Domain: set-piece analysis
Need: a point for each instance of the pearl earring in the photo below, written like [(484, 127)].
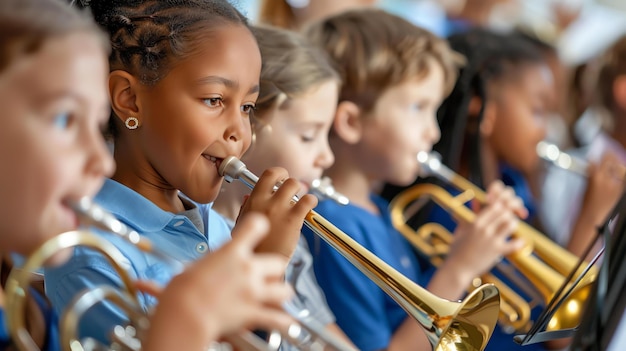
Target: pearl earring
[(131, 123)]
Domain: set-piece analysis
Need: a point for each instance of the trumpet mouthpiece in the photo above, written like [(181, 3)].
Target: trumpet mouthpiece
[(230, 168)]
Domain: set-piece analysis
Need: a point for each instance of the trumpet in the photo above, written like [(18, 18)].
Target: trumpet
[(449, 325), (323, 189), (551, 153), (305, 332), (541, 262)]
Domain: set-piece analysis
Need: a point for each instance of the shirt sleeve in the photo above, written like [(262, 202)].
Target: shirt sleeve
[(86, 270), (309, 296)]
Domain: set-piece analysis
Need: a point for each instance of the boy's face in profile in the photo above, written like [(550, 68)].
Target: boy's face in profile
[(402, 123)]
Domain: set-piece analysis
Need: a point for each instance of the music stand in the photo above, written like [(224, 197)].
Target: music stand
[(607, 301), (537, 332)]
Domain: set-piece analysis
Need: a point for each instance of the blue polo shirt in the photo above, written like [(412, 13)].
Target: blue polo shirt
[(173, 234), (5, 338)]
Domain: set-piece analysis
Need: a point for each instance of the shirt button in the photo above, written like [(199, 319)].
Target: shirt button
[(202, 248), (179, 223), (405, 262)]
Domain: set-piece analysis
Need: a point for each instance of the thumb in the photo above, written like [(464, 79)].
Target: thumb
[(250, 229)]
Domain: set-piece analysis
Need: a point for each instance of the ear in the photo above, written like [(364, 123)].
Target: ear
[(347, 124), (122, 89), (619, 92), (489, 119)]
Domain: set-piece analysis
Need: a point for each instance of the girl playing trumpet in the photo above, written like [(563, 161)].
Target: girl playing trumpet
[(53, 74)]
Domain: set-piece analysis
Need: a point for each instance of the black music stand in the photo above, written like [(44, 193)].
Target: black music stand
[(607, 302), (598, 297)]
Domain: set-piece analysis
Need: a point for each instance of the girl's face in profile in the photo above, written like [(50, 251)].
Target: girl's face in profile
[(521, 107), (54, 105), (197, 115), (295, 135)]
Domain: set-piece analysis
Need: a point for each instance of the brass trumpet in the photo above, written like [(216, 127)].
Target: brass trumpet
[(305, 332), (465, 325), (542, 262)]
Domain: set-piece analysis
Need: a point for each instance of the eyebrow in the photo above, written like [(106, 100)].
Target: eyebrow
[(231, 84)]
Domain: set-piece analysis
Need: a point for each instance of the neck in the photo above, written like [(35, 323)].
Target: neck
[(131, 172), (230, 199), (349, 179)]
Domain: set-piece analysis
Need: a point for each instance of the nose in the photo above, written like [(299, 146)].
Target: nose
[(326, 158), (238, 128), (433, 133)]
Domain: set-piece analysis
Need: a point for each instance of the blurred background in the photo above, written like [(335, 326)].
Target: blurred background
[(579, 29), (574, 32)]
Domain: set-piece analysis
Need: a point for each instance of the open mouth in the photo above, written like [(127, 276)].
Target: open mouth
[(216, 160)]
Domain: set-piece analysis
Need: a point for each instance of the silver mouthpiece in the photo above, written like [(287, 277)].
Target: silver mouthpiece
[(431, 165), (551, 153), (324, 190), (232, 168)]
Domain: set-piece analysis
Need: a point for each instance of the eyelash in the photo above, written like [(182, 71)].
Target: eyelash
[(247, 108)]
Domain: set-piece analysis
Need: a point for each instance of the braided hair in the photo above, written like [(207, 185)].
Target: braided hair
[(149, 36), (491, 57)]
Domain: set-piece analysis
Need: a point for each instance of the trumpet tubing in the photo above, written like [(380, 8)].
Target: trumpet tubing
[(465, 325), (542, 262), (19, 280), (127, 338)]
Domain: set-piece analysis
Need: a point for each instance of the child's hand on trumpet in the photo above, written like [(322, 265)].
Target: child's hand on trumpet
[(479, 245), (228, 290), (286, 218)]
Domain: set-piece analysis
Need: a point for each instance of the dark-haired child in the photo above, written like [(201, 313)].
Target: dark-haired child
[(183, 83)]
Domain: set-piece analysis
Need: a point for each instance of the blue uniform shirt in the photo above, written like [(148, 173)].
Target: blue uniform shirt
[(173, 234), (52, 342), (363, 311)]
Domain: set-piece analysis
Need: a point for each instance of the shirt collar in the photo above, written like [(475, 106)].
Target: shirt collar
[(131, 207)]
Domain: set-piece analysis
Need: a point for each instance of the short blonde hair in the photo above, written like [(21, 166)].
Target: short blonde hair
[(375, 50)]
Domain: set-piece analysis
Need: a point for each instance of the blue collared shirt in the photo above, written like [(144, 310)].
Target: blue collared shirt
[(170, 233)]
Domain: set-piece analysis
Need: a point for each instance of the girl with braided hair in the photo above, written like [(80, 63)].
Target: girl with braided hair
[(54, 152), (183, 83)]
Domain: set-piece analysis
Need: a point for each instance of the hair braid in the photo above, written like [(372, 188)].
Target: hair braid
[(148, 36)]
